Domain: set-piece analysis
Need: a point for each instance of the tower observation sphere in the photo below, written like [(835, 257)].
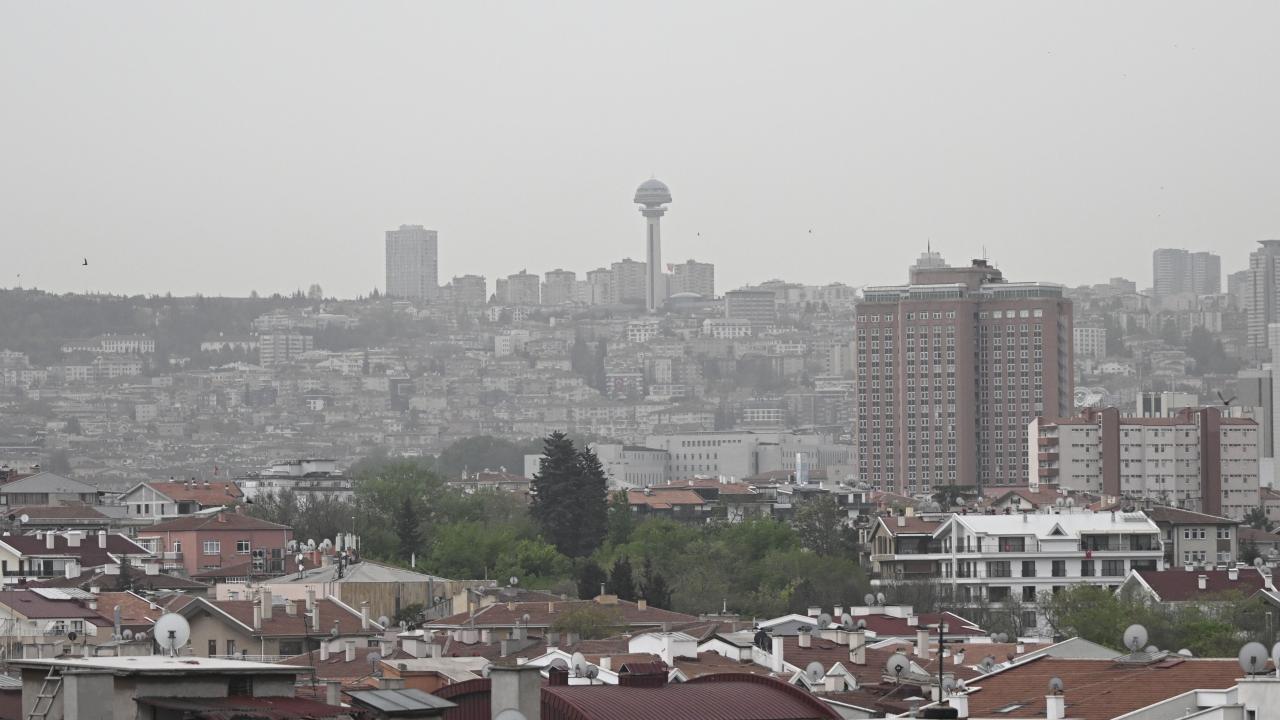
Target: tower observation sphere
[(652, 195)]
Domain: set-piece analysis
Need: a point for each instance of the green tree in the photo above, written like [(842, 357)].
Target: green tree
[(483, 453), (1256, 518), (408, 529), (590, 577), (621, 521), (1249, 552), (620, 580), (589, 621), (653, 586), (821, 525), (569, 497)]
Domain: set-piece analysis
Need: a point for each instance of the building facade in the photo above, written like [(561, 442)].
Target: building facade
[(1197, 460), (1090, 342), (950, 369), (694, 277), (412, 263), (558, 287), (1176, 271), (759, 307), (1262, 294), (470, 290), (522, 288), (277, 348)]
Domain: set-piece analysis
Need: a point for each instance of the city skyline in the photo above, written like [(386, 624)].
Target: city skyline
[(525, 159)]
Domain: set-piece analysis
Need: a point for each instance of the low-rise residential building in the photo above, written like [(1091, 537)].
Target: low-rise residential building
[(1196, 585), (1015, 557), (159, 500), (1192, 538), (272, 628), (47, 555), (47, 488), (196, 543)]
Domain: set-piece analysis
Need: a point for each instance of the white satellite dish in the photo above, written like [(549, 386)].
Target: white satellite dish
[(513, 581), (869, 599), (383, 620), (814, 672), (579, 664), (1055, 686), (897, 664), (846, 621), (1187, 653), (128, 634), (510, 714), (824, 621), (1135, 636), (140, 636), (24, 518), (1253, 658), (880, 598), (1275, 654), (172, 631)]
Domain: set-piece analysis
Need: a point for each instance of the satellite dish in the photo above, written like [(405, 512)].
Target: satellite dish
[(949, 683), (334, 632), (1275, 654), (1151, 649), (1187, 653), (1253, 658), (524, 618), (172, 631), (591, 672), (1055, 686), (803, 630), (25, 518), (1135, 636), (72, 636), (869, 599), (128, 634), (1004, 637), (988, 663), (846, 621), (374, 657), (140, 636), (862, 624), (1257, 562), (897, 664), (579, 664), (824, 621), (510, 714), (311, 543), (814, 672), (559, 664), (383, 620), (879, 598), (513, 581)]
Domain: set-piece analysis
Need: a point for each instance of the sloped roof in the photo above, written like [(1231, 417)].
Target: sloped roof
[(141, 581), (1179, 585), (70, 511), (500, 615), (1094, 689), (337, 667), (216, 521), (912, 525), (738, 696), (363, 571), (32, 605), (88, 552), (281, 623), (662, 499), (1178, 516), (47, 482), (206, 494)]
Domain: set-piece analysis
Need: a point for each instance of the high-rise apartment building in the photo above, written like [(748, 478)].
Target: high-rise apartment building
[(276, 348), (1262, 296), (558, 287), (412, 256), (950, 370), (630, 281), (597, 289), (1197, 459), (694, 277), (1176, 271), (470, 290), (1238, 289), (1090, 342), (522, 288)]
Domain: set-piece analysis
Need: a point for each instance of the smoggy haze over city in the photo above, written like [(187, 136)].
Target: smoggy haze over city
[(224, 147)]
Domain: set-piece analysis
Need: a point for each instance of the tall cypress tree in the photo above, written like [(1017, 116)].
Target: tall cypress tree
[(408, 529), (569, 497), (620, 581)]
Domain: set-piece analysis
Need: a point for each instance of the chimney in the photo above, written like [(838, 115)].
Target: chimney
[(72, 569), (267, 602), (804, 639), (1055, 707), (913, 620), (959, 703), (551, 606), (391, 683), (516, 688), (858, 647), (641, 604), (257, 614), (364, 615), (315, 619), (311, 599), (836, 612), (333, 692), (922, 643), (557, 676), (606, 663), (324, 651), (775, 657), (102, 538), (814, 611), (290, 608), (902, 521), (91, 603), (1019, 648), (350, 649), (73, 538), (48, 540), (1233, 573), (1202, 582)]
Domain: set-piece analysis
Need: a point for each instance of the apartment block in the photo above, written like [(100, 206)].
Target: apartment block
[(559, 287), (950, 369), (1090, 342), (1197, 460), (412, 257), (522, 288), (757, 306), (281, 347), (694, 277)]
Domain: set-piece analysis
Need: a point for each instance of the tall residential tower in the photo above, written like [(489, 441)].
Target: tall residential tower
[(411, 263), (653, 195)]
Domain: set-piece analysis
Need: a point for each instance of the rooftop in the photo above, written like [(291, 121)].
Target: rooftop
[(1179, 585), (216, 521), (737, 696), (159, 664)]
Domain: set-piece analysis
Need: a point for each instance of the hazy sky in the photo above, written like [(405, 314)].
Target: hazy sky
[(221, 147)]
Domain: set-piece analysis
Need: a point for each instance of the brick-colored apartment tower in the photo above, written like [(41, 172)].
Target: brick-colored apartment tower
[(951, 369)]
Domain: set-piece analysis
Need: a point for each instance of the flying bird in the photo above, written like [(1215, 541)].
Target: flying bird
[(85, 263)]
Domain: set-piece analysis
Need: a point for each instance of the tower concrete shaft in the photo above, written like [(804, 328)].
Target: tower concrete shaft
[(655, 285)]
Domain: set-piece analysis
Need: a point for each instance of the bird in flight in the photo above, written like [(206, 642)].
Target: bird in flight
[(85, 263)]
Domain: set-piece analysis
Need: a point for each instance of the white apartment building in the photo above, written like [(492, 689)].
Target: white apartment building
[(739, 454), (1089, 342), (1014, 558), (643, 330), (113, 344), (727, 328), (1197, 460)]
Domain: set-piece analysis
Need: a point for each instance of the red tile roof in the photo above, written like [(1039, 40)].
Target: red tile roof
[(88, 552), (211, 494), (1180, 585), (141, 581), (70, 511), (337, 667), (216, 521), (661, 499), (913, 525), (243, 707), (1178, 516), (1094, 689), (31, 605), (711, 697), (713, 663)]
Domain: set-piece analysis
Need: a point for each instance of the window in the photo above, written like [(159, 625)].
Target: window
[(1029, 619), (998, 569), (1086, 568), (240, 686), (213, 648), (231, 646), (290, 648), (1059, 568), (213, 547), (1224, 533), (1028, 593), (242, 548), (1028, 568), (998, 594), (1112, 568)]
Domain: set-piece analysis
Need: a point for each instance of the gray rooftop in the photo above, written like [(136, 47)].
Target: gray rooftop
[(400, 702), (364, 571)]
